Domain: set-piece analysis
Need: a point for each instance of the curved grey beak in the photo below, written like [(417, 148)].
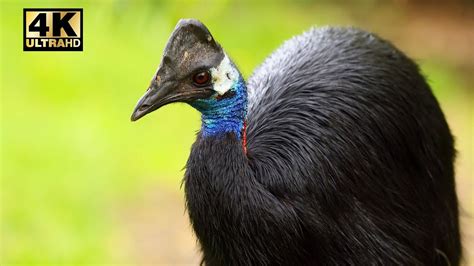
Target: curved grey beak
[(166, 92), (154, 98)]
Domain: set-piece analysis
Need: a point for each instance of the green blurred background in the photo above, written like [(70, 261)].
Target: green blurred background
[(82, 185)]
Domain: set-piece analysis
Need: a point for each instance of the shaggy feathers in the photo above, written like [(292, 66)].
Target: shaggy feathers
[(350, 161)]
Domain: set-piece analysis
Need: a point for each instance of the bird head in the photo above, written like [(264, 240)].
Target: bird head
[(194, 67)]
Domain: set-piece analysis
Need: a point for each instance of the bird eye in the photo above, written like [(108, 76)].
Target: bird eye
[(201, 78)]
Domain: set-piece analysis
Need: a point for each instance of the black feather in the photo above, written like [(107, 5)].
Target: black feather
[(350, 162)]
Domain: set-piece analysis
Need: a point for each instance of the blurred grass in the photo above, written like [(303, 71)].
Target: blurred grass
[(70, 156)]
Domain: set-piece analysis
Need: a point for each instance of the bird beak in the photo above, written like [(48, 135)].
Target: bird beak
[(154, 98), (165, 92)]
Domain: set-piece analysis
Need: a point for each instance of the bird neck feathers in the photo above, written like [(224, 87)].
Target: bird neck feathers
[(226, 110)]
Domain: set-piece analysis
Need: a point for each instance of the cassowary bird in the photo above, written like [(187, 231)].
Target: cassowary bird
[(334, 152)]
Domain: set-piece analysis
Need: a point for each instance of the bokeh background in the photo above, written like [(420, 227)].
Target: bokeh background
[(82, 185)]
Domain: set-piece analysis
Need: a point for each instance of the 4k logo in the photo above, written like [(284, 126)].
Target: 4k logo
[(52, 29)]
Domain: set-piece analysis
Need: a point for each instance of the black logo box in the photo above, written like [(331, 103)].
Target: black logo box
[(79, 48)]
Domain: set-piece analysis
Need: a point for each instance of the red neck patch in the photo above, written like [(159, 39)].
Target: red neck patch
[(244, 137)]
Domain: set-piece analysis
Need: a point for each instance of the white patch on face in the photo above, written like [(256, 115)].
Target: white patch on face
[(224, 76)]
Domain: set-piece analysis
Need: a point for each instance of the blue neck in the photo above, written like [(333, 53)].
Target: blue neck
[(223, 115)]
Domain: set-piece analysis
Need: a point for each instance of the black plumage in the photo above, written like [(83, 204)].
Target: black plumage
[(349, 161)]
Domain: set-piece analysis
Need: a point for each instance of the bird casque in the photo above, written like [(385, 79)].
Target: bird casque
[(335, 152)]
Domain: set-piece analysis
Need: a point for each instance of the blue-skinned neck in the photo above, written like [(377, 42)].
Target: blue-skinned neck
[(221, 114)]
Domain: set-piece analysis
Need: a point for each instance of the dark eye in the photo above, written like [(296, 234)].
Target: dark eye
[(201, 78)]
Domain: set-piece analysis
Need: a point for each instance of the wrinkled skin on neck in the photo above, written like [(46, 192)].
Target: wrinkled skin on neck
[(225, 113)]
